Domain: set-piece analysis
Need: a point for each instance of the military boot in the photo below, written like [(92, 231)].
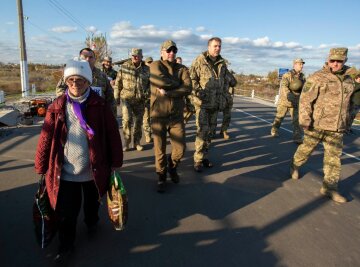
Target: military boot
[(127, 145), (226, 135), (274, 132), (161, 182), (207, 163), (333, 194), (172, 171), (148, 139), (294, 172), (198, 166)]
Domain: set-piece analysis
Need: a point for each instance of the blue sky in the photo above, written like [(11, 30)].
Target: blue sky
[(258, 36)]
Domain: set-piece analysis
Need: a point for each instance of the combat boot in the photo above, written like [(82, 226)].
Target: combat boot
[(207, 163), (139, 147), (294, 172), (161, 185), (333, 194), (274, 132), (147, 139), (226, 136), (172, 171), (298, 141), (198, 166)]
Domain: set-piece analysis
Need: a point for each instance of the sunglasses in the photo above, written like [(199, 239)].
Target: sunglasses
[(335, 60), (173, 48), (77, 81)]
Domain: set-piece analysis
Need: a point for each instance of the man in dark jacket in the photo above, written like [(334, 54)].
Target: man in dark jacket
[(169, 83)]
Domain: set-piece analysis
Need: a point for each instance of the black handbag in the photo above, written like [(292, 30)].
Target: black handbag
[(44, 217)]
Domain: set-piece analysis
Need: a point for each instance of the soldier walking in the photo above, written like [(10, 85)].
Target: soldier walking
[(290, 90), (324, 113), (132, 83), (208, 72), (100, 83), (170, 82)]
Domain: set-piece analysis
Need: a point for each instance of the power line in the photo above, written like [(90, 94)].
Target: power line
[(67, 13)]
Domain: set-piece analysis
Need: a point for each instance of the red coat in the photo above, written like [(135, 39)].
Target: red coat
[(105, 147)]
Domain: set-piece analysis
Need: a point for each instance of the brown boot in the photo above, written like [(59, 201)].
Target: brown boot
[(333, 194), (294, 172), (274, 132), (226, 136)]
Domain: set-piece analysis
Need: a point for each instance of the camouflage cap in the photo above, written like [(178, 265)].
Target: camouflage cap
[(107, 58), (339, 53), (136, 52), (167, 44), (298, 60), (149, 60)]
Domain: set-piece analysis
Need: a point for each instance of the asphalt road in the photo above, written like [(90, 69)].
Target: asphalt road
[(245, 211)]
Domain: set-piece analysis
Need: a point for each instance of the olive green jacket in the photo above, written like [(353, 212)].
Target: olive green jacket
[(288, 97), (325, 100), (175, 79)]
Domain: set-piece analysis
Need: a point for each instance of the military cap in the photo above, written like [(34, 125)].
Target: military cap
[(149, 60), (339, 53), (298, 60), (136, 52), (107, 58), (167, 44)]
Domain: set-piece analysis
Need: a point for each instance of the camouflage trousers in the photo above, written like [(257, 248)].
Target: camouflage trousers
[(206, 125), (227, 115), (132, 117), (176, 130), (294, 113), (333, 144), (146, 120)]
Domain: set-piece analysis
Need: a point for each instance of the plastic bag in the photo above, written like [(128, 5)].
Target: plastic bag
[(44, 217), (117, 202)]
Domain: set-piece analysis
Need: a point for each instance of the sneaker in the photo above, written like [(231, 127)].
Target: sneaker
[(198, 166), (147, 139), (274, 132), (333, 194), (226, 135), (207, 163), (294, 172), (139, 148)]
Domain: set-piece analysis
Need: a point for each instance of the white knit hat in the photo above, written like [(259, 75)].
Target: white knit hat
[(78, 67)]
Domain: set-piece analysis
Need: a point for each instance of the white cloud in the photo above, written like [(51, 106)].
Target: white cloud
[(200, 29), (64, 29)]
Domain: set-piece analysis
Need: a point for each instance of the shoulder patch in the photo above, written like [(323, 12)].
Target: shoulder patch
[(307, 86)]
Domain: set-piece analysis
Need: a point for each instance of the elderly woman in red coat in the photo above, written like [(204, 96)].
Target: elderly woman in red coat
[(79, 146)]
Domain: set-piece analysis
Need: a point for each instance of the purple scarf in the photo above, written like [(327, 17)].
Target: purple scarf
[(79, 114)]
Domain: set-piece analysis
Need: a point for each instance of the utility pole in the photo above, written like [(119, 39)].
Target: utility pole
[(23, 59)]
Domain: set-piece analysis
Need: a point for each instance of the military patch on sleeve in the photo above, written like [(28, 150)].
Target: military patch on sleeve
[(307, 86)]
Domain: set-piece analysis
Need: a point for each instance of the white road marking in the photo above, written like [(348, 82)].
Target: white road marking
[(270, 122)]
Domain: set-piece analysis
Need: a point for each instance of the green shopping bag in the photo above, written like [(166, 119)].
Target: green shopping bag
[(117, 202)]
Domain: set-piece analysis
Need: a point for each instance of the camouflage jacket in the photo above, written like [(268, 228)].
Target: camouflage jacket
[(175, 79), (133, 82), (288, 97), (110, 73), (100, 85), (325, 100), (208, 80)]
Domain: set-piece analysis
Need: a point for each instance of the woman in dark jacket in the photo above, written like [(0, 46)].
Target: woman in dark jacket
[(79, 146)]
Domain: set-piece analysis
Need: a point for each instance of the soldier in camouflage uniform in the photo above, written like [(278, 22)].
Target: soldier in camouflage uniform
[(170, 82), (108, 69), (290, 90), (208, 72), (324, 113), (146, 118), (132, 83), (230, 82), (100, 83)]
